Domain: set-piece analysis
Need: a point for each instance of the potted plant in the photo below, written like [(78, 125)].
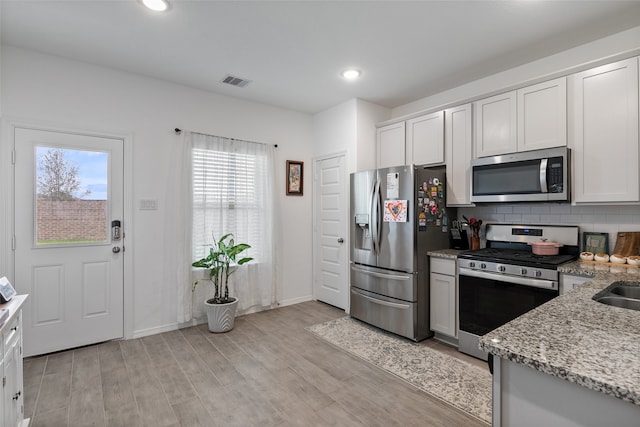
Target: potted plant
[(221, 262)]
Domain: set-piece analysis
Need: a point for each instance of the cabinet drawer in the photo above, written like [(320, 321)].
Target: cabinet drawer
[(11, 333), (443, 266)]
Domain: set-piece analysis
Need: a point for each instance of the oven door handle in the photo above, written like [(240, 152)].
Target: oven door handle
[(525, 281)]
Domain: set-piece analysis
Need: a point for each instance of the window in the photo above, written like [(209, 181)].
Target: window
[(229, 195)]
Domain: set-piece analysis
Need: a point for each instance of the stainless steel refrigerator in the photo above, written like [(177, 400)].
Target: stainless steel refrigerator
[(398, 214)]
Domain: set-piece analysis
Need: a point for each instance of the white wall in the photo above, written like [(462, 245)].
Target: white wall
[(581, 56), (44, 89)]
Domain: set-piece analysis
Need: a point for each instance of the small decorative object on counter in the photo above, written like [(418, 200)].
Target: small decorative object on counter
[(475, 225)]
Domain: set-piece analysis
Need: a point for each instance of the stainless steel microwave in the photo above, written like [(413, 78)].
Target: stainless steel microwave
[(529, 176)]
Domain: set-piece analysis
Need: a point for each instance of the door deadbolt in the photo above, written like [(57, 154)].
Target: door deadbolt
[(115, 249)]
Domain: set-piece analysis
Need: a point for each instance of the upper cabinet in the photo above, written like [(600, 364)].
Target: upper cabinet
[(542, 115), (530, 118), (603, 133), (496, 125), (425, 139), (391, 145), (458, 148)]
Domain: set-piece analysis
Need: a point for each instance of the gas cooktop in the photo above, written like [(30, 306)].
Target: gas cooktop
[(517, 257)]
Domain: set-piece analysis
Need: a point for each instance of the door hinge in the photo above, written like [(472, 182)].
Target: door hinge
[(13, 157), (13, 243), (4, 381)]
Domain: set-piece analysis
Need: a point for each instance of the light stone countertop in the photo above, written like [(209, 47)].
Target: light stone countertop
[(578, 339), (445, 253)]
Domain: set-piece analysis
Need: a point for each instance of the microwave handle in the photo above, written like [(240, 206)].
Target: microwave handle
[(543, 176)]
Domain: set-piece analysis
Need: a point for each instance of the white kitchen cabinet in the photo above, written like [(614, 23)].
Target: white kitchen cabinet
[(542, 115), (569, 282), (495, 120), (390, 141), (425, 140), (443, 301), (531, 118), (12, 402), (458, 141), (603, 133)]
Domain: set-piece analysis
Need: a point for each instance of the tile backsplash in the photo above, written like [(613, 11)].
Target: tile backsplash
[(603, 219)]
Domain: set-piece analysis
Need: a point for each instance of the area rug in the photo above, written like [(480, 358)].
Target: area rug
[(454, 381)]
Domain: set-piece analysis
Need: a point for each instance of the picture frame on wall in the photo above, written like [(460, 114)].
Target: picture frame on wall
[(595, 242), (295, 178)]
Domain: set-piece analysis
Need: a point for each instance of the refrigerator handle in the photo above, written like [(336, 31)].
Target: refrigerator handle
[(376, 218), (373, 227)]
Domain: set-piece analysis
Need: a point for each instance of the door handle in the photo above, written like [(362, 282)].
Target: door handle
[(340, 240), (115, 249)]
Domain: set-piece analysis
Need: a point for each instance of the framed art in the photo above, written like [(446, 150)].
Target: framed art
[(595, 242), (295, 175)]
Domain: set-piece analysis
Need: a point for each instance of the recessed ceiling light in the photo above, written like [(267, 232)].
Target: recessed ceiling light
[(351, 74), (157, 5)]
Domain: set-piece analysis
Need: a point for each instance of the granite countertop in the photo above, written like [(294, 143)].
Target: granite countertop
[(445, 253), (578, 339)]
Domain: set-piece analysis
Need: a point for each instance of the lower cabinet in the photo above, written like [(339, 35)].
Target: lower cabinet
[(12, 402), (443, 297), (569, 282)]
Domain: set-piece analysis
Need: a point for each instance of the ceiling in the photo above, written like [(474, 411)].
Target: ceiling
[(293, 52)]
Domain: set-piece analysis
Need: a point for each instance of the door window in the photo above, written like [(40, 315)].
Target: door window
[(71, 197)]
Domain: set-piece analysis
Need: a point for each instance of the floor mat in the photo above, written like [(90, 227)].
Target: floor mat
[(458, 383)]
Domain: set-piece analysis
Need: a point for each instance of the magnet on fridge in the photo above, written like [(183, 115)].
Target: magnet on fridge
[(430, 181), (420, 201), (438, 222), (436, 181)]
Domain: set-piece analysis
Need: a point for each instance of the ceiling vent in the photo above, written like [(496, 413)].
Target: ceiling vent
[(235, 81)]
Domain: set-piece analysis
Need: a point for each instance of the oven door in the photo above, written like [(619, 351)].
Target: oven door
[(488, 301)]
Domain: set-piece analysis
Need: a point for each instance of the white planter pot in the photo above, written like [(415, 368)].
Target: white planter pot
[(221, 317)]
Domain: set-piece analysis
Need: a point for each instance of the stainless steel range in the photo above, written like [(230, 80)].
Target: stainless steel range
[(505, 279)]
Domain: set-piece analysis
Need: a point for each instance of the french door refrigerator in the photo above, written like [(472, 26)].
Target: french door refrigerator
[(398, 214)]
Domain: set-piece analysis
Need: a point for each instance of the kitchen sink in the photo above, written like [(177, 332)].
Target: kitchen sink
[(622, 302), (621, 294), (626, 291)]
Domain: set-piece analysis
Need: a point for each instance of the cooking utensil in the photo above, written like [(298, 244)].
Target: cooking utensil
[(545, 248)]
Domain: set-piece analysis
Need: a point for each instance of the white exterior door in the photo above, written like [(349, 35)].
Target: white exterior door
[(68, 255), (331, 250)]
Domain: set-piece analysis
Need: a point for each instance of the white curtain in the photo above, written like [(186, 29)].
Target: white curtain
[(177, 230), (231, 190)]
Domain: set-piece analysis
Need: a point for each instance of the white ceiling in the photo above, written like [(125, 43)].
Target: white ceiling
[(293, 52)]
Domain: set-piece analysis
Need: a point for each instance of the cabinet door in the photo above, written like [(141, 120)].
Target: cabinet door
[(425, 139), (12, 391), (443, 304), (542, 115), (390, 144), (458, 149), (496, 125), (569, 282), (604, 133)]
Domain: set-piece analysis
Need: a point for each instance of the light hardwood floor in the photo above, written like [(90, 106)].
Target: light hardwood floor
[(268, 371)]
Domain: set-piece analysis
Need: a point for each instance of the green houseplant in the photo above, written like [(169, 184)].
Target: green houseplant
[(222, 260)]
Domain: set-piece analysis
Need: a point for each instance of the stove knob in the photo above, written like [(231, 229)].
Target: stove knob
[(483, 266), (523, 271), (538, 273), (472, 264), (502, 268)]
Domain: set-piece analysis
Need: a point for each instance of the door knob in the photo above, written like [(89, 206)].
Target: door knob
[(115, 249), (340, 240)]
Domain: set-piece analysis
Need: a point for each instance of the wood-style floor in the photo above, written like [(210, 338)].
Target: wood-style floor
[(268, 371)]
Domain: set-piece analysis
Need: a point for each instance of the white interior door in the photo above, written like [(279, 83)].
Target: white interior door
[(331, 250), (68, 257)]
